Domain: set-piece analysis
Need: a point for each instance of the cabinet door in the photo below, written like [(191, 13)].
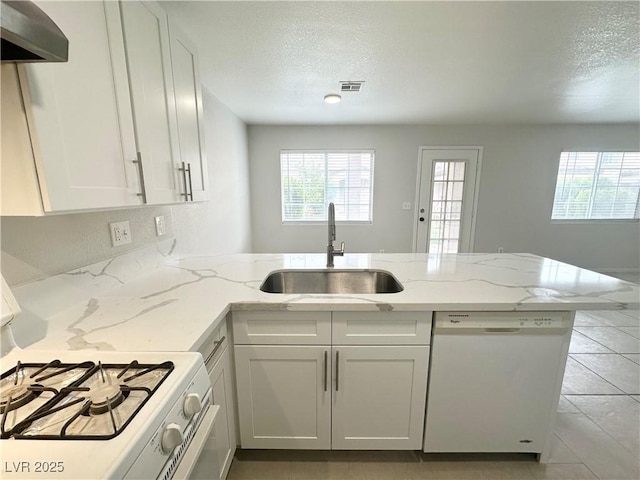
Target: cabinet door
[(216, 457), (79, 113), (146, 34), (188, 93), (225, 426), (284, 396), (19, 187), (379, 397)]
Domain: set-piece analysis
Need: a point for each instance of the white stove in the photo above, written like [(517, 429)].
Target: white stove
[(95, 415)]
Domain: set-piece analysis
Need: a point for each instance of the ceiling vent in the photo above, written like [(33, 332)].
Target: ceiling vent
[(350, 86)]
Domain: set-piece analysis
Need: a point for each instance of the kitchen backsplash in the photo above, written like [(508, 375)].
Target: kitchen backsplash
[(34, 248)]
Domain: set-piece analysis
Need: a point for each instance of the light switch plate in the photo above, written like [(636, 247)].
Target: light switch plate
[(120, 233), (161, 227)]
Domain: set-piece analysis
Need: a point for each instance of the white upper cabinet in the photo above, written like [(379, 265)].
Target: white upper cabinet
[(146, 33), (167, 105), (118, 125), (188, 96), (19, 188), (79, 119)]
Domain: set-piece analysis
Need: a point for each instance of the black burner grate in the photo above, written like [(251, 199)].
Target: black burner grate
[(83, 406)]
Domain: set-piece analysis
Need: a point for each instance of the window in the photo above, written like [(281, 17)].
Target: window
[(446, 205), (311, 180), (597, 185)]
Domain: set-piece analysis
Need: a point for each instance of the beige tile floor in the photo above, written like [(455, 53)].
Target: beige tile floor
[(597, 433)]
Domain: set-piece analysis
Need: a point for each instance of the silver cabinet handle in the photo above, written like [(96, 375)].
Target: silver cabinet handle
[(337, 370), (215, 349), (183, 169), (190, 185), (138, 162), (325, 370)]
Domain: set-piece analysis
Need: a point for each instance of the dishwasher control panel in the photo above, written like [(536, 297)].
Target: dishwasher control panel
[(503, 320)]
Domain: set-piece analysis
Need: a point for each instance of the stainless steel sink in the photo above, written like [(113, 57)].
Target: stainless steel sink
[(331, 281)]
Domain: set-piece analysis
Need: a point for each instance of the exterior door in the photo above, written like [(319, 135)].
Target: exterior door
[(447, 192)]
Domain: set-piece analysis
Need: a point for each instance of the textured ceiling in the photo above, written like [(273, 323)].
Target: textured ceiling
[(422, 62)]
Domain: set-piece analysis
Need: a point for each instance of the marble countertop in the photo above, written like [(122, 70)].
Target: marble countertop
[(152, 300)]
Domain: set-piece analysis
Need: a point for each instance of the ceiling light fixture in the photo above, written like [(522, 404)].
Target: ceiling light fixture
[(332, 98)]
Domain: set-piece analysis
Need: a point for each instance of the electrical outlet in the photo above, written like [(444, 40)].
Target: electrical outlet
[(500, 250), (120, 233), (381, 250), (161, 228), (406, 205)]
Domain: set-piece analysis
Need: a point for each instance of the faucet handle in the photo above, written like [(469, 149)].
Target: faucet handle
[(340, 252)]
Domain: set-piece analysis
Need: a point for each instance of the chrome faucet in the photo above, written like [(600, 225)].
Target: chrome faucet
[(332, 252)]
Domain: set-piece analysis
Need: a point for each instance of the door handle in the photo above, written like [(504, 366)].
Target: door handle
[(138, 162), (337, 370), (190, 184), (183, 169), (326, 354), (218, 344)]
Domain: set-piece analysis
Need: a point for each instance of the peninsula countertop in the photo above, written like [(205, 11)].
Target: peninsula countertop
[(152, 300)]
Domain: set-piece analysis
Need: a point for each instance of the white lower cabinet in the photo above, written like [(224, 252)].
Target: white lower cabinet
[(284, 397), (224, 429), (379, 397), (368, 397), (216, 457)]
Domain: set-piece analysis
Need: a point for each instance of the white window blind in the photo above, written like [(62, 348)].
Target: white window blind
[(311, 180), (597, 185)]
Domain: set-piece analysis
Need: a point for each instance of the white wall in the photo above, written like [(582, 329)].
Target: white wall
[(33, 248), (519, 168)]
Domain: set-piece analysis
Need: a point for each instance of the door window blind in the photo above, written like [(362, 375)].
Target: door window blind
[(597, 185), (310, 180)]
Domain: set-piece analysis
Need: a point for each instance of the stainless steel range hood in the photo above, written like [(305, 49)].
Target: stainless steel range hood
[(29, 35)]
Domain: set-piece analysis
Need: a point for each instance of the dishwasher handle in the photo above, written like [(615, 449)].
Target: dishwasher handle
[(501, 330)]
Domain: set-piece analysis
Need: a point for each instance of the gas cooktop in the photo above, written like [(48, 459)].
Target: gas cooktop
[(81, 401), (140, 409)]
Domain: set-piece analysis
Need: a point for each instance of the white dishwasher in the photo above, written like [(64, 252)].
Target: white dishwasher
[(495, 380)]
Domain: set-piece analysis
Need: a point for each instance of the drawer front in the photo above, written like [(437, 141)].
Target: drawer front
[(213, 347), (282, 328), (381, 328)]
